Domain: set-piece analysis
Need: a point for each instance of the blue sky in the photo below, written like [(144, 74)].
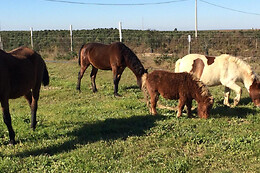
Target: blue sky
[(45, 15)]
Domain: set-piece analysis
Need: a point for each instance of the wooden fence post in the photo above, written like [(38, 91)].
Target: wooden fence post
[(189, 40), (120, 31), (1, 43), (31, 37), (256, 46), (71, 39)]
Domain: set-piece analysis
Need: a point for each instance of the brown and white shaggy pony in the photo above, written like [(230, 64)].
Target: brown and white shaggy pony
[(182, 86), (222, 70)]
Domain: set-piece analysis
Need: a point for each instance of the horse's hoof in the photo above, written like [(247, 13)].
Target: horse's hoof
[(117, 95), (34, 126), (191, 116), (12, 142), (227, 104), (235, 104), (95, 90)]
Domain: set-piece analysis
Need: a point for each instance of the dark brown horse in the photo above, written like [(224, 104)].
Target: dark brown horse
[(182, 86), (115, 57), (21, 73)]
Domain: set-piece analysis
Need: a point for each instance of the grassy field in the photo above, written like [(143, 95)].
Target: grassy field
[(96, 132)]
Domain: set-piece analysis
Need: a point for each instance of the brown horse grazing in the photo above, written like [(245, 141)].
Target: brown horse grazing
[(21, 72), (182, 86), (115, 57)]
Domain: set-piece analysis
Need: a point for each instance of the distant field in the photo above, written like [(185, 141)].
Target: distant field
[(96, 132)]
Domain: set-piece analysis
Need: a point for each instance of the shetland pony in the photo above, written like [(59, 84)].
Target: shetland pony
[(21, 73), (225, 70), (182, 86), (115, 57)]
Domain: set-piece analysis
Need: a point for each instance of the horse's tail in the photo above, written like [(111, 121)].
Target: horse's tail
[(45, 78), (144, 89), (79, 60), (177, 65)]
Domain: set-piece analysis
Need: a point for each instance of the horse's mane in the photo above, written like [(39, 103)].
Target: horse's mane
[(132, 60), (241, 64), (202, 87)]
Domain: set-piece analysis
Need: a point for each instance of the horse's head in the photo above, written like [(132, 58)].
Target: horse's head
[(139, 76), (205, 107), (254, 92)]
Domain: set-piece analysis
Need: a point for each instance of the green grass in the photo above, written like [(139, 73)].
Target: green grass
[(96, 132)]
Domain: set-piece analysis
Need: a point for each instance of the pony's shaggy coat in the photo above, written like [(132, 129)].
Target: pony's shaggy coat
[(222, 70), (21, 73), (182, 86)]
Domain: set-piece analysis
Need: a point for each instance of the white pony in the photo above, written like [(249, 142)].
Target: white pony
[(222, 70)]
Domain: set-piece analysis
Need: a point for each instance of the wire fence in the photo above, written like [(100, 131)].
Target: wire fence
[(58, 43)]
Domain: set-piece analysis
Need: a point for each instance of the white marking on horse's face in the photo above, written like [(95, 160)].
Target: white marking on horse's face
[(254, 92)]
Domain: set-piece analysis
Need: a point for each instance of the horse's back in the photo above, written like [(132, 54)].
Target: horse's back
[(168, 84), (102, 56), (207, 69), (22, 52), (185, 64), (24, 70)]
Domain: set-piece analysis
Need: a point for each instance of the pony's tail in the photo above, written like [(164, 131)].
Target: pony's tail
[(79, 60), (177, 65), (45, 78), (144, 89)]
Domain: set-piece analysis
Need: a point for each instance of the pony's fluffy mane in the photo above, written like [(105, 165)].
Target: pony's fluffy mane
[(242, 64), (203, 88)]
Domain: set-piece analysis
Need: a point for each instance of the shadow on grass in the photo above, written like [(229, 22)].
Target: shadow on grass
[(236, 112), (131, 87), (243, 101), (109, 129)]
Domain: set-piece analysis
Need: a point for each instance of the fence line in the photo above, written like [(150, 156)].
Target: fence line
[(177, 43)]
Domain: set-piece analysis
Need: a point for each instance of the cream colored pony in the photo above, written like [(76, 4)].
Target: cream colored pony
[(222, 70)]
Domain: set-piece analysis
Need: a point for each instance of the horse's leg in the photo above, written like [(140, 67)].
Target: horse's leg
[(226, 96), (30, 100), (117, 73), (7, 120), (93, 75), (238, 91), (80, 75), (154, 98), (146, 95), (28, 97), (189, 105), (181, 105), (34, 106)]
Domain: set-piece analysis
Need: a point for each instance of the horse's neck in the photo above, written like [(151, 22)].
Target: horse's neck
[(135, 66), (242, 72), (247, 79)]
